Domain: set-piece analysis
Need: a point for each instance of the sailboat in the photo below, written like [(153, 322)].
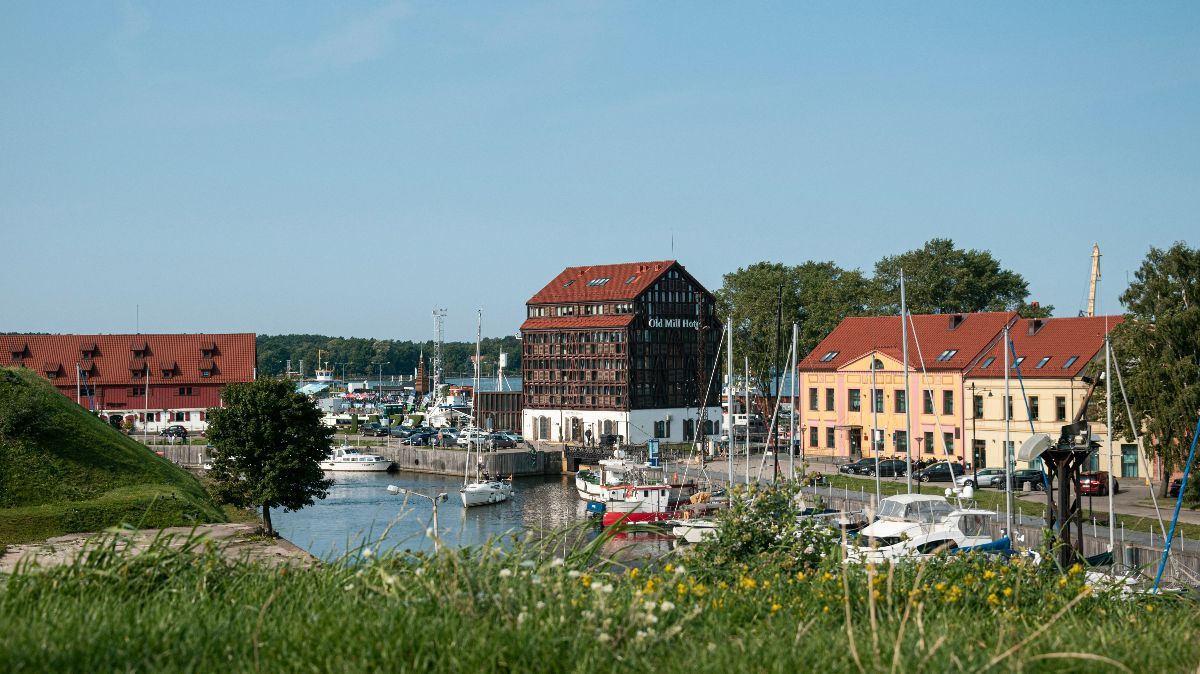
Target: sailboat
[(484, 490)]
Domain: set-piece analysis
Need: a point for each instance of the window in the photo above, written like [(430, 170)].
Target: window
[(1033, 408), (569, 283), (946, 355), (878, 395), (829, 356), (1060, 408), (631, 279), (662, 429), (1042, 363), (205, 373), (1129, 461), (988, 361), (947, 402), (1010, 414), (900, 439), (829, 399), (137, 391), (927, 398), (978, 404), (176, 416), (812, 436), (928, 443), (829, 437), (901, 401), (1017, 362), (185, 390), (597, 282), (1070, 362), (854, 400), (812, 399), (948, 442), (1093, 462)]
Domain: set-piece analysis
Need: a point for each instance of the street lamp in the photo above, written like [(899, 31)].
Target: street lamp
[(434, 500)]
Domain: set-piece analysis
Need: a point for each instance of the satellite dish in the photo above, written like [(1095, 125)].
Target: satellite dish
[(1034, 447)]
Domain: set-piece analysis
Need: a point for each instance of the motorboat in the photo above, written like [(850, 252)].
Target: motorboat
[(349, 459), (915, 525), (590, 483), (693, 530), (485, 491)]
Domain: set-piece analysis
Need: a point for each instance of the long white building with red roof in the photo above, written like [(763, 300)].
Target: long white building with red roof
[(149, 381), (620, 349)]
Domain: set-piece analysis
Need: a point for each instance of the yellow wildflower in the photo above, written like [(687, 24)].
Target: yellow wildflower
[(1008, 592), (633, 573), (989, 574), (993, 599), (586, 579), (699, 590), (1076, 569), (748, 583), (1062, 582), (649, 586), (825, 610), (826, 576), (680, 589), (1149, 609), (669, 568), (775, 608), (940, 587), (800, 576), (722, 585)]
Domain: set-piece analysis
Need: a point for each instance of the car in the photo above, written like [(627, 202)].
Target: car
[(1032, 476), (500, 441), (399, 432), (856, 467), (984, 477), (938, 472), (1095, 483), (1174, 487), (174, 432), (888, 468), (471, 437), (373, 428), (419, 438)]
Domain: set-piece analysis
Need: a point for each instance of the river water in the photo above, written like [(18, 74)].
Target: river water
[(359, 510)]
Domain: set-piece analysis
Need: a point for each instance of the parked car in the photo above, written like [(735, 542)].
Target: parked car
[(888, 468), (500, 441), (420, 438), (399, 432), (1174, 487), (373, 428), (984, 477), (856, 467), (1095, 483), (174, 432), (471, 437), (938, 472), (1032, 476)]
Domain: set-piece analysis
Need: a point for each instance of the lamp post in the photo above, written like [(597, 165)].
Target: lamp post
[(433, 500), (974, 459)]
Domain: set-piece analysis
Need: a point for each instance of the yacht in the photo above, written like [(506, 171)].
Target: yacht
[(485, 491), (914, 525), (347, 458)]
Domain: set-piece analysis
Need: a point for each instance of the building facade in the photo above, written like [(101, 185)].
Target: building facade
[(499, 410), (1052, 380), (855, 383), (148, 382), (621, 349)]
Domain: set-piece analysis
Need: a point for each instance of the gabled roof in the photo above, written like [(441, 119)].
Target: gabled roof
[(967, 335), (586, 284), (1058, 339), (237, 354), (577, 322)]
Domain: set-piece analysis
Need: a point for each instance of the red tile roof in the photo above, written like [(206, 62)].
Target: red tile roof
[(1058, 338), (577, 322), (625, 282), (857, 336), (235, 358)]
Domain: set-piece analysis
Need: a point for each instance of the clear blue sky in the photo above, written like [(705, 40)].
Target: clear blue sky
[(342, 168)]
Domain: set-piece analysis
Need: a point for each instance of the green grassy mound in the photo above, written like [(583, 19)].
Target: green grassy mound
[(63, 470)]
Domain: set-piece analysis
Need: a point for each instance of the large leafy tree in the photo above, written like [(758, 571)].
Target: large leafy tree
[(267, 444), (1159, 350), (940, 278)]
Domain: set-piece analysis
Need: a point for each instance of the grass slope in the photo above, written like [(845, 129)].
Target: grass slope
[(63, 470)]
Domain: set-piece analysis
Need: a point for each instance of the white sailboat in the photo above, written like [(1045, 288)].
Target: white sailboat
[(484, 490)]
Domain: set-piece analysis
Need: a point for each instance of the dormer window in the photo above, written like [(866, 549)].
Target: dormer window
[(207, 368), (52, 370), (208, 349), (829, 356), (88, 350), (140, 349), (168, 369), (87, 368), (20, 351), (137, 368)]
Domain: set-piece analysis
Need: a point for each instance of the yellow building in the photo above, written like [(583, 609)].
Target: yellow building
[(1048, 389)]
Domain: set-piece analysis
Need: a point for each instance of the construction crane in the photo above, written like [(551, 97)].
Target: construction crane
[(1091, 310)]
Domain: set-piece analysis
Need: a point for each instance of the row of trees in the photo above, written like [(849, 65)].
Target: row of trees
[(397, 356)]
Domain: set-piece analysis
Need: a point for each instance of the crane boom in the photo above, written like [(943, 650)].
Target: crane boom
[(1095, 277)]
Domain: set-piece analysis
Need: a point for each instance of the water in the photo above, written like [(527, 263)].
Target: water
[(359, 510)]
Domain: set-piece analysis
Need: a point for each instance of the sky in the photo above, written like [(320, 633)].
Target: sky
[(344, 168)]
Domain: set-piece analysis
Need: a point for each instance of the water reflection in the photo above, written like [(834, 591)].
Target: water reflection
[(359, 510)]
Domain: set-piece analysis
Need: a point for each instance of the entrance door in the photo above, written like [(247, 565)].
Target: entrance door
[(978, 454), (855, 434)]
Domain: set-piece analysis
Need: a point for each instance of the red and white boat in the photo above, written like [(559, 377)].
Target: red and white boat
[(647, 502)]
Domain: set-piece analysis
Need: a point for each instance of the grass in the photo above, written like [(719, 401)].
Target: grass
[(1033, 505), (556, 606), (62, 470)]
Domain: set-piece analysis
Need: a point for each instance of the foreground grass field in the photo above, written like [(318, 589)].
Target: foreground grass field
[(769, 593)]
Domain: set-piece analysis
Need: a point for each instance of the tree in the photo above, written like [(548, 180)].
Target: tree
[(751, 298), (1159, 350), (267, 444), (940, 278), (828, 294)]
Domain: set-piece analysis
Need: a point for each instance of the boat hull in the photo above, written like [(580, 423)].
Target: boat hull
[(479, 497), (612, 517), (356, 467)]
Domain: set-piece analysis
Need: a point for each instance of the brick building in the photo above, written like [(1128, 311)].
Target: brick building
[(175, 377), (620, 349)]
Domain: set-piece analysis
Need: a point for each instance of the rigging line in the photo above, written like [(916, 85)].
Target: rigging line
[(1187, 469), (1020, 380), (937, 418), (1137, 437), (700, 431), (774, 419)]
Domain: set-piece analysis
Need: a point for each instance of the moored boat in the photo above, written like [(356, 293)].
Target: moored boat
[(349, 459), (485, 491), (913, 525)]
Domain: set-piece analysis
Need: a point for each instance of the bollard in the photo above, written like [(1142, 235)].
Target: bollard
[(1094, 534)]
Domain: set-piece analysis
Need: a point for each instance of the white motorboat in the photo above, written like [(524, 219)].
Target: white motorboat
[(591, 483), (693, 530), (349, 459), (485, 492), (913, 525)]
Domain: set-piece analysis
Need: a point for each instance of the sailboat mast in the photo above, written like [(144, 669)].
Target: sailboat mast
[(908, 439), (729, 400), (792, 416), (478, 366), (1008, 464), (875, 432), (747, 421), (1108, 403)]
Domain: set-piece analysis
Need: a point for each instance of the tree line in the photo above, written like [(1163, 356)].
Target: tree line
[(363, 357)]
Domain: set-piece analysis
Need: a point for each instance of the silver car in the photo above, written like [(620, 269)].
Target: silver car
[(987, 477)]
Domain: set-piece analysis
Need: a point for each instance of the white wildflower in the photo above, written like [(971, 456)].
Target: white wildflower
[(573, 574), (528, 563), (368, 553), (651, 618), (557, 561), (667, 606), (540, 605), (711, 647), (420, 571), (641, 634), (679, 570), (522, 617), (603, 637), (505, 573), (649, 606)]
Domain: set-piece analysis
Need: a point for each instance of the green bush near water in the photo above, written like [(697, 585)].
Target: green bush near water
[(63, 470), (553, 605)]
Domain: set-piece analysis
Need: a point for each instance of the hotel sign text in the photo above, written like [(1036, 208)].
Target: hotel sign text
[(674, 323)]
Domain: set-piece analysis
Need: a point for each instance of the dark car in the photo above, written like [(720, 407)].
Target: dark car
[(856, 467), (373, 428), (419, 439), (500, 441), (399, 432), (1095, 483), (174, 432), (888, 468), (938, 472), (1030, 476), (1174, 487)]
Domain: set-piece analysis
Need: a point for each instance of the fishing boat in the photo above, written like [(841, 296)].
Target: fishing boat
[(349, 459), (590, 482), (915, 525)]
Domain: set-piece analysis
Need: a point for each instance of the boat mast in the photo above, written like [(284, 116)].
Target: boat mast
[(729, 401), (908, 439), (875, 432), (1008, 464), (747, 421), (478, 366), (792, 416)]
